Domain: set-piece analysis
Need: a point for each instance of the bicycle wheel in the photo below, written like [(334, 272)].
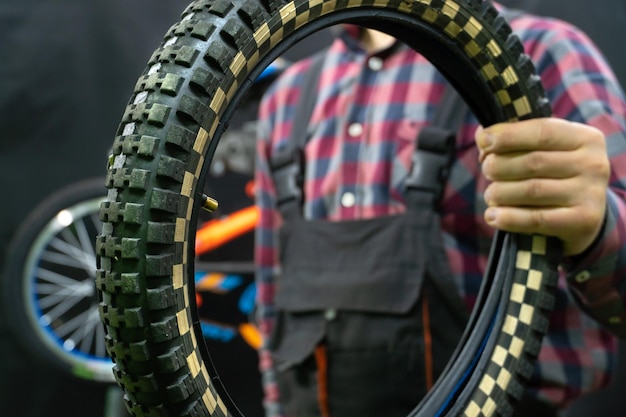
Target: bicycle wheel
[(165, 143), (48, 286)]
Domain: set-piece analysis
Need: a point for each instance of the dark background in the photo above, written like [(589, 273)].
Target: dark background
[(67, 69)]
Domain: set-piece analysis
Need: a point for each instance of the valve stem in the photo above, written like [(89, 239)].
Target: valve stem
[(209, 204)]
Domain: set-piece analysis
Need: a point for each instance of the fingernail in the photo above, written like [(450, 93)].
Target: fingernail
[(487, 139), (491, 214), (487, 196)]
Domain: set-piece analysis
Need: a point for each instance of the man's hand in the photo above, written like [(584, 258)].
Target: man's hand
[(548, 176)]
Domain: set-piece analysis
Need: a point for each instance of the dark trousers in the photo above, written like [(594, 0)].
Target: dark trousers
[(312, 390)]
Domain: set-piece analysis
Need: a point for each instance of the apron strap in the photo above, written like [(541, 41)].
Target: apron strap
[(434, 152), (288, 165)]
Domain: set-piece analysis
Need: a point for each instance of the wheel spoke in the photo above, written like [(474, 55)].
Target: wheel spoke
[(61, 307), (64, 259), (73, 325), (79, 329), (72, 247), (53, 277)]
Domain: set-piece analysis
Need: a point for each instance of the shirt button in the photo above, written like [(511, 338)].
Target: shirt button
[(375, 63), (582, 276), (330, 314), (348, 199), (355, 129)]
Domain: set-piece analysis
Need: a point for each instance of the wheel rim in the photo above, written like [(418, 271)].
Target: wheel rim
[(59, 290)]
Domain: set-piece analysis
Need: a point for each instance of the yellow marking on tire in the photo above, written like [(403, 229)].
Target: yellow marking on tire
[(186, 301), (252, 61), (190, 207), (526, 314), (517, 346), (205, 373), (233, 89), (498, 357), (450, 9), (303, 18), (472, 410), (193, 364), (487, 384), (494, 48), (489, 408), (405, 7), (188, 182), (377, 3), (238, 63), (262, 34), (201, 159), (201, 139), (504, 97), (523, 260), (504, 378), (534, 279), (452, 29), (489, 71), (329, 6), (180, 230), (473, 27), (216, 104), (287, 12), (472, 49), (539, 245), (518, 292), (510, 76), (183, 323), (177, 276), (510, 325), (222, 406), (522, 106), (430, 15), (276, 37), (209, 401)]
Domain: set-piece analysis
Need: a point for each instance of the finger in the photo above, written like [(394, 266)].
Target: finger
[(533, 193), (550, 134), (540, 164), (576, 228)]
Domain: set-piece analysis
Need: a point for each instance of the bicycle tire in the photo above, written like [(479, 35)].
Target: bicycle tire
[(165, 142), (48, 283)]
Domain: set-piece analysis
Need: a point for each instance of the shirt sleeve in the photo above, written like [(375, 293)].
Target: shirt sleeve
[(275, 114), (266, 261), (582, 88)]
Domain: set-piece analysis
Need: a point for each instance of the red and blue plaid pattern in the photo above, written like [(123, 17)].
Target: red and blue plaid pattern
[(368, 113)]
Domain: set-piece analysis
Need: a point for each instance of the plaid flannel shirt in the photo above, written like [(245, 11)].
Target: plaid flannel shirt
[(368, 112)]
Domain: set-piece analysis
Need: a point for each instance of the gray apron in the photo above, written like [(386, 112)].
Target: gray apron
[(368, 314)]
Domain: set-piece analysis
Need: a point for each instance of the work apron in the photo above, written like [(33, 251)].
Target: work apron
[(368, 314)]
